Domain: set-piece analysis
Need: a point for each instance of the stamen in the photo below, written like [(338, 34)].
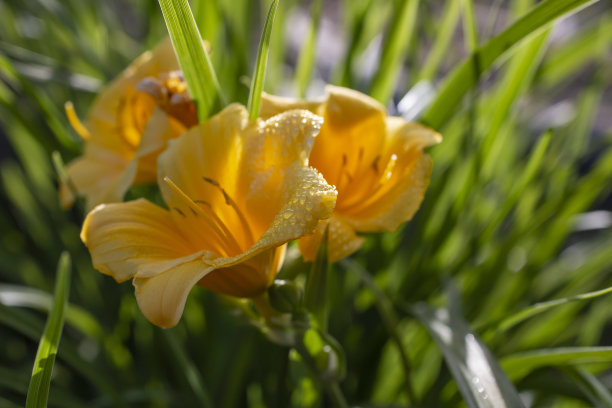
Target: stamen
[(375, 163), (226, 237), (76, 123), (214, 216), (350, 174), (232, 203), (389, 168), (127, 123), (373, 191), (178, 210)]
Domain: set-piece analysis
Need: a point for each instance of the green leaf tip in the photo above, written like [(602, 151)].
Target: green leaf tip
[(197, 68), (259, 74)]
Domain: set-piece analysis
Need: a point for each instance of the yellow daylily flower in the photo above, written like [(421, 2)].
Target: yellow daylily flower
[(236, 190), (375, 161), (125, 131)]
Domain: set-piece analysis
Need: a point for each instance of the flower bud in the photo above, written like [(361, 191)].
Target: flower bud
[(285, 296)]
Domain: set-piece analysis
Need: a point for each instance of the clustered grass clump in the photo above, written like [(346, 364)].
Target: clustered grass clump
[(482, 279)]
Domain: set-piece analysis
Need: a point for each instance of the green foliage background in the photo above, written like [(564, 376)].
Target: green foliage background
[(507, 221)]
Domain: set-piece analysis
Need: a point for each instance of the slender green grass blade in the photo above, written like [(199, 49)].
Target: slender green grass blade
[(278, 51), (592, 387), (538, 308), (395, 49), (21, 296), (389, 318), (38, 391), (361, 25), (17, 382), (587, 45), (307, 60), (520, 364), (53, 116), (477, 373), (469, 26), (466, 75), (315, 295), (518, 76), (533, 166), (259, 75), (442, 42), (193, 377), (192, 56)]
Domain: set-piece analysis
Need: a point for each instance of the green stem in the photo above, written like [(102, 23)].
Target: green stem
[(315, 296), (331, 387), (389, 318), (336, 395), (262, 304)]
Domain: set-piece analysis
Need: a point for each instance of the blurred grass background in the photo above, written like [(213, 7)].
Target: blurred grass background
[(518, 210)]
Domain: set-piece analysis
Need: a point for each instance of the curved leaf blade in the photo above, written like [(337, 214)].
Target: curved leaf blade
[(192, 56), (261, 64), (466, 75), (479, 377), (521, 364), (38, 391)]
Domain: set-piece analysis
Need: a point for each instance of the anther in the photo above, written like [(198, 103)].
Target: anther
[(76, 122), (221, 232), (232, 203)]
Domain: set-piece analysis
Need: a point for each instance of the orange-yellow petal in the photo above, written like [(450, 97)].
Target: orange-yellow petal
[(162, 298), (210, 151), (137, 237), (273, 152), (272, 105), (397, 195), (102, 120), (100, 175), (159, 130), (217, 204), (351, 137), (249, 278)]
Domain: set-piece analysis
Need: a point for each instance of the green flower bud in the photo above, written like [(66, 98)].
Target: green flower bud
[(285, 296)]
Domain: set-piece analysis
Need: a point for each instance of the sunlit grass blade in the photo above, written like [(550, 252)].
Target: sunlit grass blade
[(518, 76), (23, 296), (520, 364), (62, 174), (259, 74), (29, 213), (361, 25), (278, 51), (38, 391), (466, 75), (396, 46), (469, 26), (53, 115), (587, 45), (307, 60), (532, 167), (538, 308), (442, 43), (192, 56), (477, 373), (315, 295)]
